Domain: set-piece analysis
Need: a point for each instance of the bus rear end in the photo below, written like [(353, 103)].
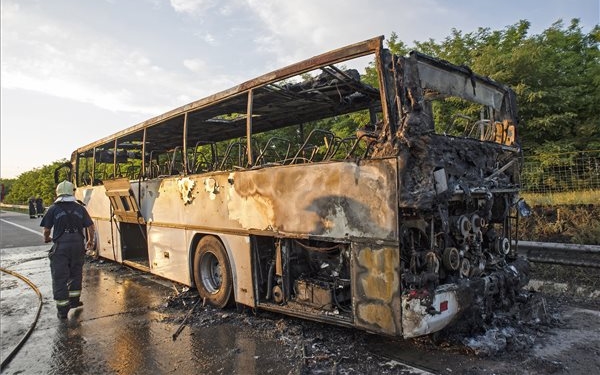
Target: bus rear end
[(458, 183)]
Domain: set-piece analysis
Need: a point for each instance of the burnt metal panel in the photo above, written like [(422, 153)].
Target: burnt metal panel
[(460, 81), (468, 164), (238, 249), (376, 288), (331, 200), (341, 200), (459, 84)]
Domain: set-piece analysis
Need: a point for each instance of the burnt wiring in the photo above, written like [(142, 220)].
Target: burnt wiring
[(335, 297), (320, 249)]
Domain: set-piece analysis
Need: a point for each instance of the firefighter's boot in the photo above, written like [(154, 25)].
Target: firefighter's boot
[(74, 302), (63, 312)]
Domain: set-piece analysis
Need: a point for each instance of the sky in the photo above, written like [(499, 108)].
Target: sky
[(76, 71)]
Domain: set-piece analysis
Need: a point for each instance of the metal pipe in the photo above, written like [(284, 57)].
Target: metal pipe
[(249, 127), (182, 325)]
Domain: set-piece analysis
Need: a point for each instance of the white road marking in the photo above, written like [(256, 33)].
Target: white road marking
[(22, 227)]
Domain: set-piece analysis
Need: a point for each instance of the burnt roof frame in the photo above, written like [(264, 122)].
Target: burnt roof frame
[(241, 92)]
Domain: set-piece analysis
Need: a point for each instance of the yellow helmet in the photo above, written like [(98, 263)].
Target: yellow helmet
[(65, 188)]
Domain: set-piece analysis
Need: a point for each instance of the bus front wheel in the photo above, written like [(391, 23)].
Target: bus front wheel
[(212, 272)]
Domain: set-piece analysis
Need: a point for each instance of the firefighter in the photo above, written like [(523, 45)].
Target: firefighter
[(32, 208), (67, 219), (39, 206)]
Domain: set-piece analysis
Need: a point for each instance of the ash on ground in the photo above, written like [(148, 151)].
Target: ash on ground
[(514, 330), (322, 348), (311, 347)]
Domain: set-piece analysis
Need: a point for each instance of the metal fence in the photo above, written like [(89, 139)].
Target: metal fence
[(561, 172)]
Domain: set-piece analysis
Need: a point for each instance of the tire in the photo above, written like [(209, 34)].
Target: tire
[(212, 272)]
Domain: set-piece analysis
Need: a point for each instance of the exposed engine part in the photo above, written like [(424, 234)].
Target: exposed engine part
[(478, 270), (463, 226), (468, 236), (421, 280), (315, 274), (451, 258), (277, 294), (433, 264), (465, 267), (502, 245), (270, 280), (323, 294), (476, 223)]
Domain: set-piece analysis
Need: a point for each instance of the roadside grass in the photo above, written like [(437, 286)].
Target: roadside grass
[(563, 217), (562, 198)]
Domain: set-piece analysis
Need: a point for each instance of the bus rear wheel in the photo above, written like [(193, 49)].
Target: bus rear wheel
[(212, 272)]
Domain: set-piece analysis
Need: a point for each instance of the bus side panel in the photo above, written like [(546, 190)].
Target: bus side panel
[(95, 200), (146, 194), (108, 241), (238, 251), (98, 206), (376, 288), (168, 253), (333, 200), (199, 210)]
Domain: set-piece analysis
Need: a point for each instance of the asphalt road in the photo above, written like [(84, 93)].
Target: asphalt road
[(18, 230)]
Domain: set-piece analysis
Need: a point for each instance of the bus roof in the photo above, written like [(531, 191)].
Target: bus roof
[(223, 115)]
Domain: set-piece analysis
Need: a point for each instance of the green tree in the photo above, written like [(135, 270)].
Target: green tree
[(7, 184), (38, 182), (555, 74)]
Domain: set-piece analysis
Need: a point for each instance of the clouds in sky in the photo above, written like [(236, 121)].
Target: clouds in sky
[(41, 54), (139, 58), (216, 44), (192, 6)]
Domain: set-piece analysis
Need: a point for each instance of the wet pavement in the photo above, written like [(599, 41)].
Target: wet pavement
[(120, 328)]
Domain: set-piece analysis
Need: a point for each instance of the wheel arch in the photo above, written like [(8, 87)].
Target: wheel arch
[(226, 244)]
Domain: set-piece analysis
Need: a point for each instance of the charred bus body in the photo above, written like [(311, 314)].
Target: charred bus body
[(396, 229)]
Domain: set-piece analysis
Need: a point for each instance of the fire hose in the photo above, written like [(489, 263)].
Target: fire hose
[(16, 349)]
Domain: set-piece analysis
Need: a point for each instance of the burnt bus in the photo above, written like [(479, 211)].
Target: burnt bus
[(356, 188)]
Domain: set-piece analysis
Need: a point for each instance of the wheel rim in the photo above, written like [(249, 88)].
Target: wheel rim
[(210, 271)]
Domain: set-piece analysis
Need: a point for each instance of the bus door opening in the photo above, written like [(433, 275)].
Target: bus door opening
[(129, 223)]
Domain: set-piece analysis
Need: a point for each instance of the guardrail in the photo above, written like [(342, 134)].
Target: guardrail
[(561, 253), (15, 206)]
